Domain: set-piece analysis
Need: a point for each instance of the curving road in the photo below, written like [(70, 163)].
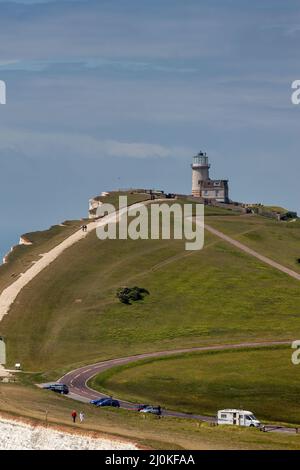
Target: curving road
[(78, 378)]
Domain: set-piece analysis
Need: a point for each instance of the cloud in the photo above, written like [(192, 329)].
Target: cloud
[(118, 29), (33, 2), (93, 63), (104, 82), (46, 145), (137, 150)]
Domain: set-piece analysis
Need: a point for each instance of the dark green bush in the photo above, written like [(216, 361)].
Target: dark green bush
[(127, 295)]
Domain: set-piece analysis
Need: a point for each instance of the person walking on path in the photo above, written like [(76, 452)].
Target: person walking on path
[(74, 416), (81, 416)]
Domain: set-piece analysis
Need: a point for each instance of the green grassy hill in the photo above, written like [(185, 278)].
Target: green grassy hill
[(279, 241), (22, 256), (69, 315)]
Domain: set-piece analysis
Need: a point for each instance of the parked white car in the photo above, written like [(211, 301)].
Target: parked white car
[(238, 418)]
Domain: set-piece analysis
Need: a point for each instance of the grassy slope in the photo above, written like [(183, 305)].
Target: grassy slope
[(69, 314), (166, 433), (278, 240), (113, 197), (262, 380), (21, 258)]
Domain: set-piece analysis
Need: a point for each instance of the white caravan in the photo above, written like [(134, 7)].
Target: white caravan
[(238, 418)]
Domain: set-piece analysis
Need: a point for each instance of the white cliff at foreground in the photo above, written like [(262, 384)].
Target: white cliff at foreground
[(16, 435)]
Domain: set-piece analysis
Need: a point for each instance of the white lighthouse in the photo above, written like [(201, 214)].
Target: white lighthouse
[(202, 185), (200, 173)]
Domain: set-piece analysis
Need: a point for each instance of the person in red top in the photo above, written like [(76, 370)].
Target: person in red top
[(74, 416)]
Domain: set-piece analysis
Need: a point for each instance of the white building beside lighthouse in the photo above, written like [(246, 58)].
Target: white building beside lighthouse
[(202, 185)]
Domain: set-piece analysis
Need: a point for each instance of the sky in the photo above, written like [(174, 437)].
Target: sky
[(108, 94)]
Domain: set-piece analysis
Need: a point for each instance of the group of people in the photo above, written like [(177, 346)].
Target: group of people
[(84, 228), (81, 416)]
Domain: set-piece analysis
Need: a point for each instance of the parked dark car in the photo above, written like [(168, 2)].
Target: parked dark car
[(155, 410), (106, 402), (58, 388)]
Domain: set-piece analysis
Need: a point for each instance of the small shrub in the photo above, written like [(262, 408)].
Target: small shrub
[(127, 295)]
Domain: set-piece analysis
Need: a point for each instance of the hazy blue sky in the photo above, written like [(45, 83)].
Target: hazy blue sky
[(131, 89)]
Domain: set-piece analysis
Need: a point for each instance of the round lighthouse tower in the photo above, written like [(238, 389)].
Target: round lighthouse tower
[(200, 170)]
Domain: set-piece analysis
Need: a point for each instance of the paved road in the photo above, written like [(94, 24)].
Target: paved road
[(79, 390)]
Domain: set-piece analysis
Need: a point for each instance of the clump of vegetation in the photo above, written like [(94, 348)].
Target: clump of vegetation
[(127, 295)]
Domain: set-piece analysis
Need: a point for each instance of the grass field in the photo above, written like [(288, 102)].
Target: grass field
[(69, 315), (219, 211), (22, 257), (113, 198), (279, 241), (262, 380), (132, 197), (165, 433)]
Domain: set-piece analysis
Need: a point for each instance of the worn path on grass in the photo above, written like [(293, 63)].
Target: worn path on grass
[(255, 254), (9, 295)]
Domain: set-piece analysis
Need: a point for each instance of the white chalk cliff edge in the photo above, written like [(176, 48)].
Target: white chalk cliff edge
[(19, 435)]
